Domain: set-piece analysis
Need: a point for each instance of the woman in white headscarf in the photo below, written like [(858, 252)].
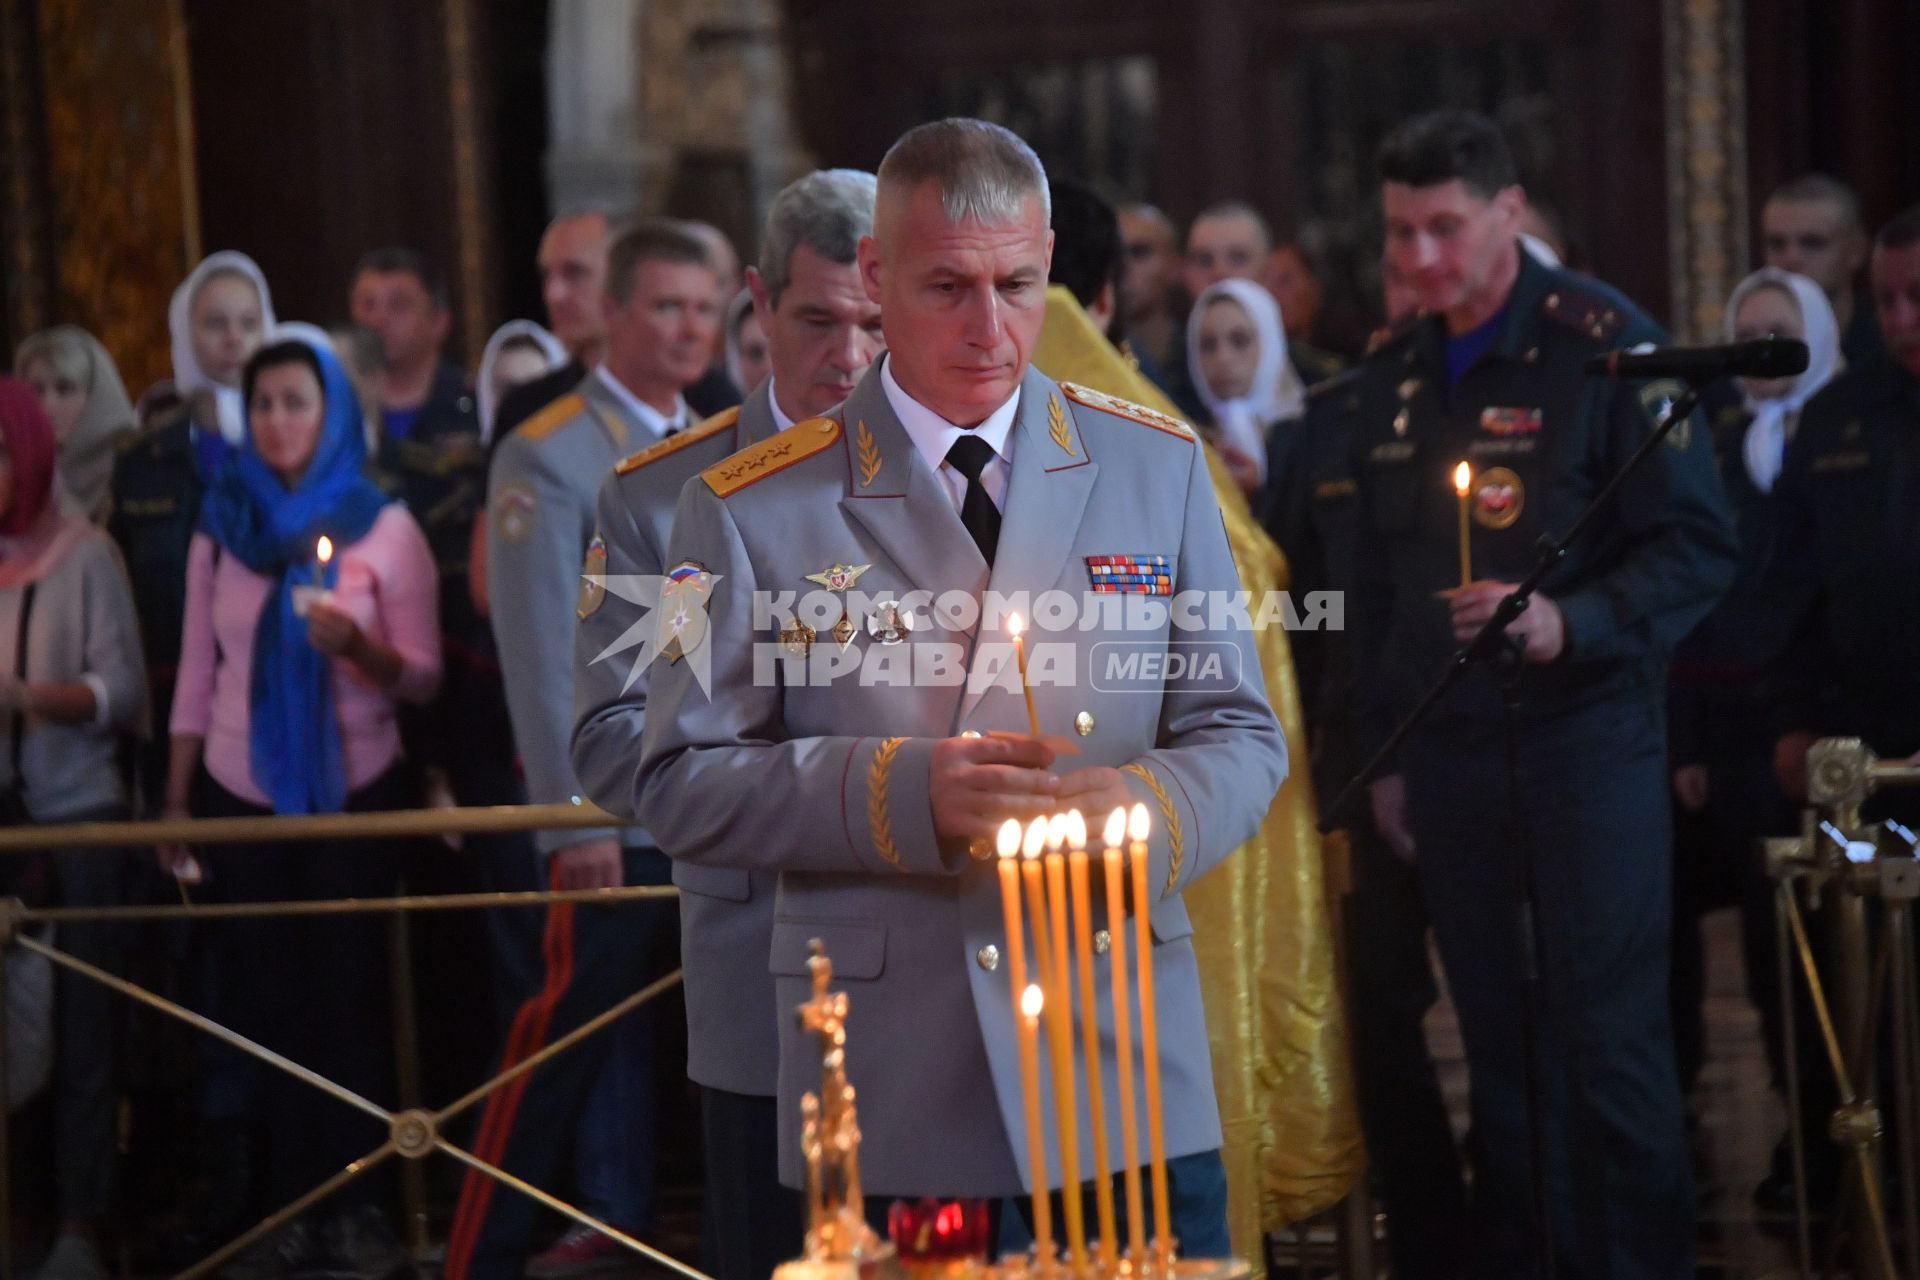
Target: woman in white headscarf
[(76, 382), (220, 315), (1720, 721), (1237, 351), (747, 360), (518, 352), (1780, 304)]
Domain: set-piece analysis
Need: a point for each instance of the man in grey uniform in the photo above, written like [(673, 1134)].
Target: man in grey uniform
[(865, 792), (662, 307), (822, 333)]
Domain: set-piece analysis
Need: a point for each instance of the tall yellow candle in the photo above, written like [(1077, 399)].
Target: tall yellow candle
[(1137, 827), (1066, 1099), (1031, 1002), (1090, 1035), (1116, 831), (1031, 848), (1462, 482), (1020, 658)]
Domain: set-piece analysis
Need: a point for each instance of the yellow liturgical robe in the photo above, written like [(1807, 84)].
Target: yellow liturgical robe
[(1261, 924)]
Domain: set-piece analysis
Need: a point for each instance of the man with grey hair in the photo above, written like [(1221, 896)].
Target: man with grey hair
[(822, 332), (876, 799)]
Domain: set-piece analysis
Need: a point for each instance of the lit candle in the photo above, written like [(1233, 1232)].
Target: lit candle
[(1463, 481), (1116, 831), (1031, 848), (1020, 657), (322, 553), (1066, 1100), (1009, 847), (1090, 1034), (1031, 1002), (1149, 1030)]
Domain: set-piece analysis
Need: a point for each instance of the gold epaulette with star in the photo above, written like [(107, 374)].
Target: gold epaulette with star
[(722, 421), (548, 420), (776, 453), (1127, 409)]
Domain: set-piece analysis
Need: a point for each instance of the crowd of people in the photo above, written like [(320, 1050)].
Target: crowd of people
[(333, 570)]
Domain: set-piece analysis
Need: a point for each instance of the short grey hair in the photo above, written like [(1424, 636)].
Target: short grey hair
[(829, 211), (983, 171)]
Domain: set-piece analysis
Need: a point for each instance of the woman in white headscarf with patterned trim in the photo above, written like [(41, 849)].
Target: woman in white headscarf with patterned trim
[(1720, 724), (76, 382), (220, 315), (1237, 352)]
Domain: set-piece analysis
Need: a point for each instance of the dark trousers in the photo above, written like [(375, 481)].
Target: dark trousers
[(594, 958), (1718, 863), (752, 1223), (316, 989), (1410, 1141), (85, 1082), (1593, 828)]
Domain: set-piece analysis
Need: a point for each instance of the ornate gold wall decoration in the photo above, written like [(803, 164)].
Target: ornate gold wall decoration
[(23, 281), (1706, 159), (119, 173)]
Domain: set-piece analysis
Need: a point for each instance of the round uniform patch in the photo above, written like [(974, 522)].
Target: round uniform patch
[(1498, 498), (593, 579), (513, 509)]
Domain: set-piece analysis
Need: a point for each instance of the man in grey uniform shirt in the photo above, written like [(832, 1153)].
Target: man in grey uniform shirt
[(822, 332)]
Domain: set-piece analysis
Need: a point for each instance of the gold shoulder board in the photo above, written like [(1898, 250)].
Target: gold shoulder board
[(776, 453), (548, 420), (722, 421), (1127, 409)]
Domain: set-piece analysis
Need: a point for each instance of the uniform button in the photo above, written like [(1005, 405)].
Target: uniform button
[(1533, 353), (989, 957), (828, 426), (1102, 942), (1083, 723), (1599, 331), (981, 848), (1553, 302), (969, 733)]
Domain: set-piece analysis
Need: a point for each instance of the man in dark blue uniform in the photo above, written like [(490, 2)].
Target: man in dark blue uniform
[(1490, 373), (1412, 1155), (1848, 572)]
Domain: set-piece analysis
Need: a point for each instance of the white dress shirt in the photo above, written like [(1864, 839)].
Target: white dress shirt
[(933, 435), (651, 420), (780, 419)]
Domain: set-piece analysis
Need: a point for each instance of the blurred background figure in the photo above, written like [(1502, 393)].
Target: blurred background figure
[(76, 382), (747, 358), (1237, 351)]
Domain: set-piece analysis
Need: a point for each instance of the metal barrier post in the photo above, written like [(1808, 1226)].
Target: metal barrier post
[(406, 1055)]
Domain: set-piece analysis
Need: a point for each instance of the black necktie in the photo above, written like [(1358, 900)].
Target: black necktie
[(970, 456)]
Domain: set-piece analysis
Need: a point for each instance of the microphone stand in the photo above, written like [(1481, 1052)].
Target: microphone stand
[(1492, 645)]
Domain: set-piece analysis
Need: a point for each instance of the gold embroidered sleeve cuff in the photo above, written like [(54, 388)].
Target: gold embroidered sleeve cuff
[(889, 815)]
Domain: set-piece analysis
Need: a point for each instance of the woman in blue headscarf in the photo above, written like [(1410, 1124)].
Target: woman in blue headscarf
[(312, 611)]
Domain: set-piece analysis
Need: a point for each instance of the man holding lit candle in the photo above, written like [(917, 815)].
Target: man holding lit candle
[(822, 333), (955, 469), (1489, 374)]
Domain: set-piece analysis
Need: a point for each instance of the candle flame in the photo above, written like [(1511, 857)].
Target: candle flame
[(1010, 838), (1076, 830), (1462, 479), (324, 550), (1014, 626), (1031, 1001), (1036, 838), (1116, 827), (1137, 823), (1056, 832)]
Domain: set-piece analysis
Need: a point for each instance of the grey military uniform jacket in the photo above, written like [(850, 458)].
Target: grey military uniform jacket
[(540, 518), (769, 766), (726, 913)]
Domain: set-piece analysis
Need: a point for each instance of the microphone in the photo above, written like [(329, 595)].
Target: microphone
[(1760, 358)]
